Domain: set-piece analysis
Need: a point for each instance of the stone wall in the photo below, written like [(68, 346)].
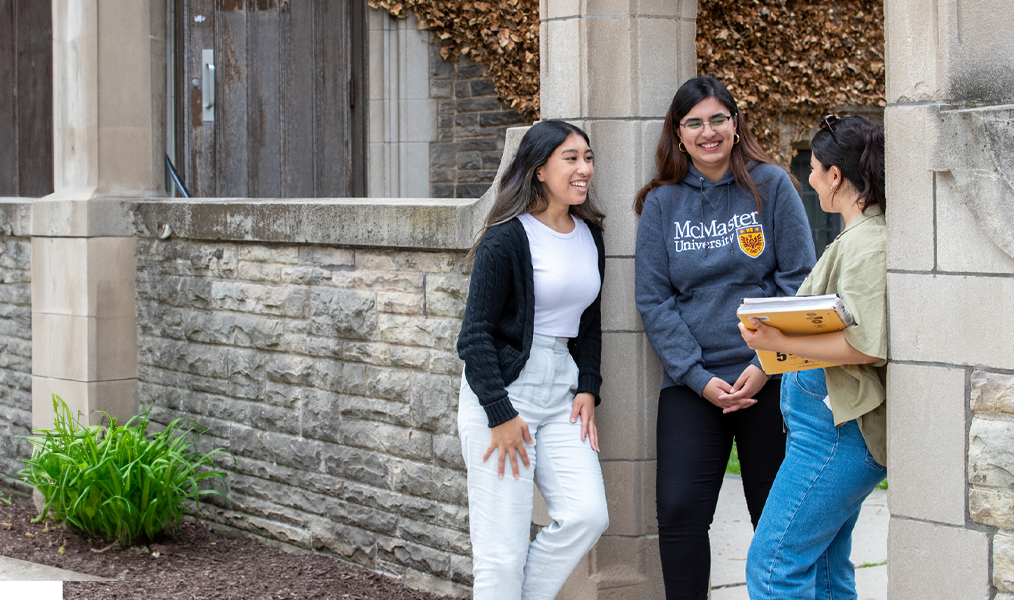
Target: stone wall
[(990, 455), (330, 374), (15, 354), (471, 127)]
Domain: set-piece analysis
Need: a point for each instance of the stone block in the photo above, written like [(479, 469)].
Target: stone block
[(114, 397), (425, 533), (422, 558), (559, 67), (320, 418), (287, 450), (428, 481), (991, 453), (387, 383), (374, 409), (343, 313), (356, 464), (962, 245), (447, 452), (288, 301), (619, 313), (83, 276), (434, 332), (434, 402), (992, 392), (991, 507), (256, 271), (332, 259), (400, 303), (228, 329), (378, 280), (974, 333), (269, 254), (350, 543), (630, 492), (631, 378), (412, 358), (912, 237), (911, 38), (624, 151), (928, 560), (926, 442), (366, 352), (84, 348), (661, 46), (626, 567)]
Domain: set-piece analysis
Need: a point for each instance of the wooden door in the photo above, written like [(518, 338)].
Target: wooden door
[(26, 98), (289, 110)]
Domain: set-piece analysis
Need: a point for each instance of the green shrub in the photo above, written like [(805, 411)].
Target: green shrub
[(115, 481)]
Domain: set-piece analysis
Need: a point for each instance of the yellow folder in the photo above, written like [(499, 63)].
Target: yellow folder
[(795, 315)]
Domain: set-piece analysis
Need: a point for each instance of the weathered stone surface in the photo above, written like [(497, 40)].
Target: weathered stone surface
[(991, 453), (992, 392), (435, 402), (15, 339), (329, 373), (259, 299), (389, 439), (343, 313), (1003, 562), (992, 507), (269, 254)]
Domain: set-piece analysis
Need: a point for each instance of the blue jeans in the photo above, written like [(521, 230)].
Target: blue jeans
[(802, 544)]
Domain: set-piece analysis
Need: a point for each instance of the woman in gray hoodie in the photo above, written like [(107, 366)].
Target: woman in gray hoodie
[(719, 222)]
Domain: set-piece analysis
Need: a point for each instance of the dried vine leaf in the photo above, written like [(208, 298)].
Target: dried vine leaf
[(503, 35), (788, 62)]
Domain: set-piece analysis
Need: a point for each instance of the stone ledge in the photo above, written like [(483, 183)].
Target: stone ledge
[(16, 217), (427, 223)]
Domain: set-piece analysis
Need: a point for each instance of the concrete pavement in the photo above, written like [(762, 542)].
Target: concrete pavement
[(731, 534), (12, 569)]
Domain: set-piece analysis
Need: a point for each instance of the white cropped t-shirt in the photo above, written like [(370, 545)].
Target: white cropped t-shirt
[(566, 271)]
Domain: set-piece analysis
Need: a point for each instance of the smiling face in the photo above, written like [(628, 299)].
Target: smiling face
[(566, 175), (710, 151), (824, 182)]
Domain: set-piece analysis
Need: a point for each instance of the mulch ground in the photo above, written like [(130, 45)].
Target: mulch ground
[(196, 564)]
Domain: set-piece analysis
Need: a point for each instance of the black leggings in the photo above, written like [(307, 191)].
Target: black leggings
[(694, 441)]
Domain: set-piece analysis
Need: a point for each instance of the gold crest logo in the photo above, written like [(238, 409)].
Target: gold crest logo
[(751, 240)]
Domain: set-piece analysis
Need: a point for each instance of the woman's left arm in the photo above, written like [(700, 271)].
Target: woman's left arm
[(828, 347)]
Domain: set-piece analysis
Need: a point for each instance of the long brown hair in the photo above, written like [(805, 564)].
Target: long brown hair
[(521, 191), (672, 165)]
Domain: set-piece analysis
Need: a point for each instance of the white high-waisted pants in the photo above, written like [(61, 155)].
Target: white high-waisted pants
[(505, 566)]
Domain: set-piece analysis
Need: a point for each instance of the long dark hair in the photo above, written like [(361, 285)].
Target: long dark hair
[(521, 191), (672, 165), (855, 145)]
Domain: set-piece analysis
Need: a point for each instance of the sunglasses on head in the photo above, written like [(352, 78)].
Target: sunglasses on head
[(828, 123)]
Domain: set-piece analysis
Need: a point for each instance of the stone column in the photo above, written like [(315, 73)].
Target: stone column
[(109, 121), (950, 215), (612, 67)]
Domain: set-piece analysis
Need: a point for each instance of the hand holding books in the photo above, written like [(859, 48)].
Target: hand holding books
[(794, 316)]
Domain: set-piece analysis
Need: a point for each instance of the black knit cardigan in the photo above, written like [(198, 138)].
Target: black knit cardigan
[(496, 334)]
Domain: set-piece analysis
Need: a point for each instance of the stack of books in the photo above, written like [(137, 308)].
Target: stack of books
[(795, 315)]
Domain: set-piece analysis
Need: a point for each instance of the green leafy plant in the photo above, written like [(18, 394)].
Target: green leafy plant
[(115, 481)]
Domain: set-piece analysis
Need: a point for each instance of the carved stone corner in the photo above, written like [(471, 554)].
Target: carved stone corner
[(977, 146)]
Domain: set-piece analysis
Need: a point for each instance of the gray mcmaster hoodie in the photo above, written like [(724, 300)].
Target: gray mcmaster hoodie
[(701, 247)]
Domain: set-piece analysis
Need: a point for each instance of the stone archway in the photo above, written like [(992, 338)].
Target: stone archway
[(950, 380)]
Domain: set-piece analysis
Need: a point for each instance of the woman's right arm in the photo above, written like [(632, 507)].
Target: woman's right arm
[(488, 289), (655, 297)]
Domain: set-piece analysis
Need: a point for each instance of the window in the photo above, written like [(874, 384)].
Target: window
[(823, 226)]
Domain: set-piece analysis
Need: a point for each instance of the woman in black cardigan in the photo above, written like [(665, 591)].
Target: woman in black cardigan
[(531, 340)]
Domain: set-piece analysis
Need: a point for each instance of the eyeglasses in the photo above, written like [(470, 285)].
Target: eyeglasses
[(827, 123), (695, 127)]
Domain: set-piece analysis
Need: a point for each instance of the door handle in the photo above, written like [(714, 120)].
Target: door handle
[(208, 85)]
